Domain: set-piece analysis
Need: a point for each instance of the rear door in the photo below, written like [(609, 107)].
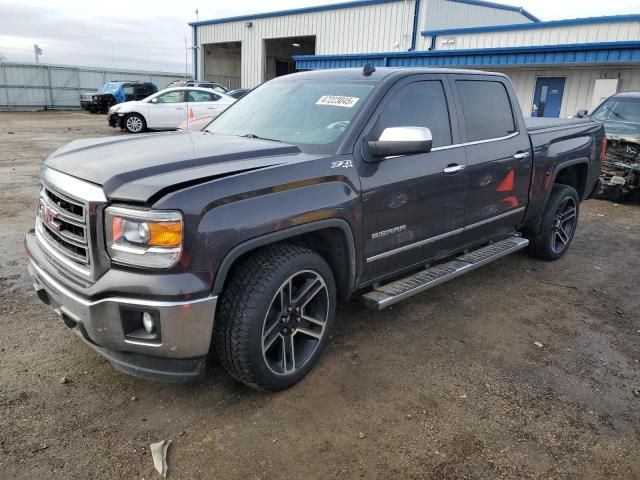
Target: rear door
[(169, 111), (498, 153), (203, 104), (412, 210)]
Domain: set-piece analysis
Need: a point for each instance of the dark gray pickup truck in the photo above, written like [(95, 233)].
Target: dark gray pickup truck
[(160, 249)]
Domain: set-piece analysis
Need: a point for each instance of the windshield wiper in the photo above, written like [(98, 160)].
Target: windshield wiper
[(257, 137), (616, 114)]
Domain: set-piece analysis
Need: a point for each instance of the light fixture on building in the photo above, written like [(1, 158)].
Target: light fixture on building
[(248, 24), (296, 45)]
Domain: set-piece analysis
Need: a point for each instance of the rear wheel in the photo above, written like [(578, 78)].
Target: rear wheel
[(559, 223), (275, 317), (135, 123)]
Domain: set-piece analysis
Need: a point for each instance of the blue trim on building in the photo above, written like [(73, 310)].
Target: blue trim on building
[(414, 31), (585, 53), (296, 11), (195, 52), (499, 6), (527, 26)]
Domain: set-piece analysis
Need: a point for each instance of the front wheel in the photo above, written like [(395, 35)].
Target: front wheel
[(559, 223), (275, 317), (135, 123)]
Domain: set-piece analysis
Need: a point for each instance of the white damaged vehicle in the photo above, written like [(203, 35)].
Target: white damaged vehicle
[(168, 109)]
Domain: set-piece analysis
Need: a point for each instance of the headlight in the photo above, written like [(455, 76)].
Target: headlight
[(143, 238)]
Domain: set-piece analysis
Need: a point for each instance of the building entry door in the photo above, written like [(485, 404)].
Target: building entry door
[(547, 99)]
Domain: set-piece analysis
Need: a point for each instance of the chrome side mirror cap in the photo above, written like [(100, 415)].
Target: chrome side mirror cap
[(397, 141)]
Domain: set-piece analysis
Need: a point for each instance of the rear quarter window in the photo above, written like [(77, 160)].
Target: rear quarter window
[(487, 110)]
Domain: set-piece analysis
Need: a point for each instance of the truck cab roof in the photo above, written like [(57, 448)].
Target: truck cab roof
[(379, 74)]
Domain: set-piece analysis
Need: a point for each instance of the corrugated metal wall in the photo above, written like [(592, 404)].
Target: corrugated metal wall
[(382, 27), (28, 86), (372, 28), (598, 32), (578, 88), (439, 14)]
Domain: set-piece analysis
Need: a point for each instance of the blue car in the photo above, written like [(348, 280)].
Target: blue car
[(115, 92)]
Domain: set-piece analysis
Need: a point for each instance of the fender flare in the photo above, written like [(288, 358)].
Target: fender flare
[(269, 238)]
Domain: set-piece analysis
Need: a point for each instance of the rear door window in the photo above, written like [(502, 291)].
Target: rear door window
[(487, 110), (197, 96), (418, 104)]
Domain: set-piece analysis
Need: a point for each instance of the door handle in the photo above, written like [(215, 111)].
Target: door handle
[(179, 108), (520, 155), (453, 168)]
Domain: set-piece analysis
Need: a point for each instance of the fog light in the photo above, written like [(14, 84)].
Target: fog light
[(148, 323)]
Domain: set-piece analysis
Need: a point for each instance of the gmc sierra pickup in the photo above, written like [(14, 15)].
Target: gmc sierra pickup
[(160, 249)]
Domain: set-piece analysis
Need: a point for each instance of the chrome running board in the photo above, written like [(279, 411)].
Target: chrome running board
[(386, 295)]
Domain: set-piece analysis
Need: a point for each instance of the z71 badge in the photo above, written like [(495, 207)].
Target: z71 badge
[(342, 164)]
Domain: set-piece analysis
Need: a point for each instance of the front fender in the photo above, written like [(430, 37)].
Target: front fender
[(225, 218)]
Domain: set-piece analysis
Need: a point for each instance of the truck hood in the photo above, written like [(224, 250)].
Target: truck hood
[(135, 168), (622, 129)]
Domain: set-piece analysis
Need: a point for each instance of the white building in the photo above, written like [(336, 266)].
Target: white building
[(557, 67)]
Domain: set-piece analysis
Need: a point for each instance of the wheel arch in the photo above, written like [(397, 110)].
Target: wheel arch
[(331, 238), (574, 173)]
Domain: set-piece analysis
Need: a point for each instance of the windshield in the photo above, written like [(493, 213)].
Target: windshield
[(311, 115), (618, 109)]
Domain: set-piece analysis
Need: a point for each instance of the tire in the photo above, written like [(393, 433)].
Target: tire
[(558, 226), (253, 328), (135, 123)]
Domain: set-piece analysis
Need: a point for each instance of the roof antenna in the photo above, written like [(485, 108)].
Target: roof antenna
[(368, 70)]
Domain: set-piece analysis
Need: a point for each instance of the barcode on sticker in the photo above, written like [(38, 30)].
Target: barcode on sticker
[(337, 101)]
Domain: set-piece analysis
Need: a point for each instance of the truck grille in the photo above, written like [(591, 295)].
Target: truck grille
[(62, 224)]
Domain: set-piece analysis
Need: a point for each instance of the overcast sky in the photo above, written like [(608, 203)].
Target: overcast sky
[(150, 35)]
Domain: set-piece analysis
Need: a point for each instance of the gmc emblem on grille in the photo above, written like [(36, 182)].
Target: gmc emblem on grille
[(48, 216)]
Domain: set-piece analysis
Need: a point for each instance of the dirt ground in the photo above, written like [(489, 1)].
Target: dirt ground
[(447, 385)]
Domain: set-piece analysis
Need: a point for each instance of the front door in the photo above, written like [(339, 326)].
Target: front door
[(548, 97), (168, 111), (412, 210), (498, 155)]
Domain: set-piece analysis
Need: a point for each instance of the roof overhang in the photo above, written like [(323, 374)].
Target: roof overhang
[(295, 11), (499, 6), (572, 54), (353, 4), (532, 26)]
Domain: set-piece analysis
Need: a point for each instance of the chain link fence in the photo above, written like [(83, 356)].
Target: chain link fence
[(31, 86)]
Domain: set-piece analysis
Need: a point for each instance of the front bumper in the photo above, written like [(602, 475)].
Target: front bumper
[(115, 119), (185, 327)]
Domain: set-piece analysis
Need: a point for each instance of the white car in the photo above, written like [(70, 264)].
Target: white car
[(168, 109)]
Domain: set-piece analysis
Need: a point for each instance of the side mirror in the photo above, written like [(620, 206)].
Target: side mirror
[(396, 141), (582, 113), (154, 100)]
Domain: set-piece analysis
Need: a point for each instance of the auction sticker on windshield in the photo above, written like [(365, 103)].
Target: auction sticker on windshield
[(337, 101)]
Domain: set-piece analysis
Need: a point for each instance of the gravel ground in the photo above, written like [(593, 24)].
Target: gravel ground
[(447, 385)]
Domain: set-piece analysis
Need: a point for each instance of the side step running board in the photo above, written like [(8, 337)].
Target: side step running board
[(391, 293)]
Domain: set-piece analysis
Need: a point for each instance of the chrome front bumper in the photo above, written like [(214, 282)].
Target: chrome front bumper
[(186, 328)]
